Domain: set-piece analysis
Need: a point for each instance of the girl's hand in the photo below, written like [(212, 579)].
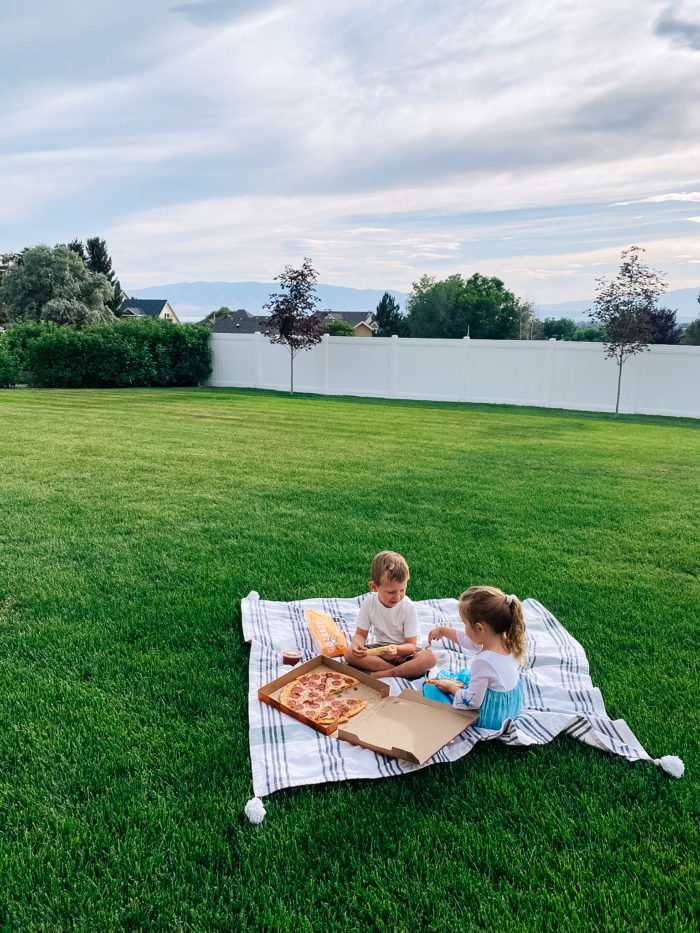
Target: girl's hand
[(447, 684), (435, 634)]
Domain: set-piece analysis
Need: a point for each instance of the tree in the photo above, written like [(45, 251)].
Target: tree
[(295, 322), (99, 261), (340, 329), (389, 319), (691, 335), (480, 307), (562, 328), (590, 334), (77, 247), (7, 261), (664, 327), (44, 275), (624, 306)]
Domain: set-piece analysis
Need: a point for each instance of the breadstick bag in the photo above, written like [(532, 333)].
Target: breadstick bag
[(326, 633)]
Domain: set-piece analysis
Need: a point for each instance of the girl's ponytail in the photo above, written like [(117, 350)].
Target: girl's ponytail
[(515, 639)]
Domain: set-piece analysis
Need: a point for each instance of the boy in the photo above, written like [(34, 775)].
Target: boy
[(394, 620)]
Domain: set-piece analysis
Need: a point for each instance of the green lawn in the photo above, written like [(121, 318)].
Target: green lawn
[(131, 524)]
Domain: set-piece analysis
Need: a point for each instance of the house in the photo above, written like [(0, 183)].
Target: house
[(242, 322), (148, 307), (362, 322), (235, 322)]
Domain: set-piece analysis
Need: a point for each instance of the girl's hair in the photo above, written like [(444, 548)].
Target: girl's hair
[(503, 615)]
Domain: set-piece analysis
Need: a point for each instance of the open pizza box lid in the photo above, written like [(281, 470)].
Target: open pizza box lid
[(408, 726)]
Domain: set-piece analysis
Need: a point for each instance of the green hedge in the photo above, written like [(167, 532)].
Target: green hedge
[(129, 353)]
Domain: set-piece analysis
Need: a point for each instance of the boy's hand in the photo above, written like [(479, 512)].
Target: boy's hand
[(435, 634), (384, 651), (358, 646)]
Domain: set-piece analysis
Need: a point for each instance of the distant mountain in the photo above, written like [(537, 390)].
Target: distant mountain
[(684, 301), (194, 300)]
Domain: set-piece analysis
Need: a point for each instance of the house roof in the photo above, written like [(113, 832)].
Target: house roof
[(236, 322), (352, 317), (150, 307)]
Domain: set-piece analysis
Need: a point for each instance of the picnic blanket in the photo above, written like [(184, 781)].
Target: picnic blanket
[(558, 698)]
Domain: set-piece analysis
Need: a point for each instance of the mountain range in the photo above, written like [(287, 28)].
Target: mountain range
[(194, 300)]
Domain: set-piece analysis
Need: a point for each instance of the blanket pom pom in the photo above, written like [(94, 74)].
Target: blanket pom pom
[(672, 764), (254, 810)]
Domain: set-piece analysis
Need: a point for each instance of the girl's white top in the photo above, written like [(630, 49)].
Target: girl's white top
[(489, 671)]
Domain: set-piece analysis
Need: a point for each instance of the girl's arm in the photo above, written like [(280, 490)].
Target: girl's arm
[(472, 696), (442, 631)]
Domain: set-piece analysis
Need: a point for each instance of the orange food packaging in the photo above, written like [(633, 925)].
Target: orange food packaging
[(326, 633)]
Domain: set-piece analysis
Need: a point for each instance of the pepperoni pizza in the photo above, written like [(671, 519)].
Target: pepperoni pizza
[(313, 696)]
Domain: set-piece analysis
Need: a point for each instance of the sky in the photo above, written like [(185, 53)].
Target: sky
[(220, 140)]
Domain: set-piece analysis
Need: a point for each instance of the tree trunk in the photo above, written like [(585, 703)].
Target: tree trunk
[(291, 373), (619, 380)]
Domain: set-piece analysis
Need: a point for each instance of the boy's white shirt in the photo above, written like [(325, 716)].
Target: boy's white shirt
[(388, 625)]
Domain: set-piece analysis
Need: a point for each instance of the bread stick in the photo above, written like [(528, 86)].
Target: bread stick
[(381, 649)]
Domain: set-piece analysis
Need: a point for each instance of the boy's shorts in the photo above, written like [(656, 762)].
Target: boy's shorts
[(397, 659)]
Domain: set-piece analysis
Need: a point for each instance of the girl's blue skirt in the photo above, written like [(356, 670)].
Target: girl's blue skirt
[(497, 705)]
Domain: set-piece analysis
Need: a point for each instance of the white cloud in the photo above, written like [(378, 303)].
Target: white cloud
[(222, 140), (661, 198)]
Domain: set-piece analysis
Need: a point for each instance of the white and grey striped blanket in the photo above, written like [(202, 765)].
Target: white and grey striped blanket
[(559, 697)]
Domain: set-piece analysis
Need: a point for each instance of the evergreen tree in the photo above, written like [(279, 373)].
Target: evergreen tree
[(77, 247), (389, 319), (98, 259), (664, 327)]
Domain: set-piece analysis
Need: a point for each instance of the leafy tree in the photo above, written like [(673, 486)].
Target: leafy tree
[(562, 328), (691, 334), (664, 327), (529, 325), (340, 329), (389, 319), (480, 307), (295, 322), (590, 334), (624, 306), (7, 261), (44, 275)]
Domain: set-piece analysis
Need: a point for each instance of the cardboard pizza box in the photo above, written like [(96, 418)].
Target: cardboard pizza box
[(409, 726), (366, 688)]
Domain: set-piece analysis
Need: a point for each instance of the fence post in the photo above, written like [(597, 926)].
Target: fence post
[(394, 365), (550, 372), (326, 351), (258, 339), (466, 362)]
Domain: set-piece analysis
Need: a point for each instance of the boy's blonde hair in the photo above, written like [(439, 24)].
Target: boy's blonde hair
[(389, 567), (503, 615)]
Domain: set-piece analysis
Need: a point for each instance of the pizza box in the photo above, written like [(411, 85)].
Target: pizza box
[(408, 726), (366, 688)]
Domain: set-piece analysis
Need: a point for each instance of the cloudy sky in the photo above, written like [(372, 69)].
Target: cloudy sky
[(386, 139)]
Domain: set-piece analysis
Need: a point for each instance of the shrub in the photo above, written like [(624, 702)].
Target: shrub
[(9, 370), (19, 336), (129, 353)]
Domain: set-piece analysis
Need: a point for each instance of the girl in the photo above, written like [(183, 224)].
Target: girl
[(495, 629)]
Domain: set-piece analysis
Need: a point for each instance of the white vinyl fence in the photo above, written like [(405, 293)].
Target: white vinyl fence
[(665, 380)]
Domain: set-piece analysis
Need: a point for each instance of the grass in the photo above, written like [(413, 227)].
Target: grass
[(131, 524)]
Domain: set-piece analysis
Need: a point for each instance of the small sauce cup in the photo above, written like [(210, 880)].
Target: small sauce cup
[(291, 656)]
